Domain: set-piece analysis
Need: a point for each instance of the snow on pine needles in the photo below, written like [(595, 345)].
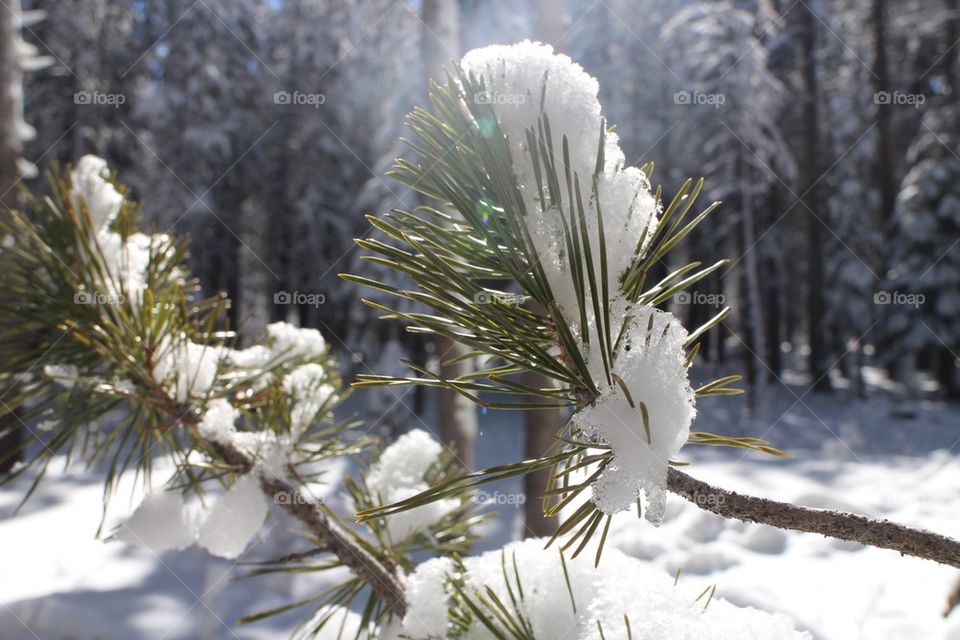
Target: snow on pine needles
[(654, 372), (645, 408), (399, 474), (623, 589), (190, 374)]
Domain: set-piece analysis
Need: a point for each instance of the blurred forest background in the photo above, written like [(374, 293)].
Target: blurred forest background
[(262, 129)]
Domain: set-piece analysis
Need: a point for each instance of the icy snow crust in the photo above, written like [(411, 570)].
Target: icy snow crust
[(651, 360), (621, 586)]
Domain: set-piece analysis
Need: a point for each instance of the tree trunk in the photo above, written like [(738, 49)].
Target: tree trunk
[(457, 414), (884, 167), (255, 280), (950, 58), (810, 170), (773, 292), (946, 371), (10, 159)]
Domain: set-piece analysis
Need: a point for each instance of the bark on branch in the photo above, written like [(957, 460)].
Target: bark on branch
[(834, 524)]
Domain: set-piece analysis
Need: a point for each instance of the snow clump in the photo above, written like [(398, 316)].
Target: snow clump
[(399, 474)]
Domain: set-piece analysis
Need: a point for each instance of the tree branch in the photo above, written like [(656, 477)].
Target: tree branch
[(339, 541), (834, 524)]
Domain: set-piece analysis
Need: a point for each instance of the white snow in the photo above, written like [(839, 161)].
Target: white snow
[(161, 522), (404, 462), (64, 374), (653, 369), (309, 391), (514, 76), (251, 357), (270, 451), (64, 583), (289, 341), (427, 601), (218, 422), (164, 521), (342, 625), (837, 591), (399, 474), (185, 368), (128, 260), (89, 182), (234, 519), (621, 586)]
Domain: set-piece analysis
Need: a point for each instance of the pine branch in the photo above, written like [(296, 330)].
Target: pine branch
[(833, 524), (338, 541)]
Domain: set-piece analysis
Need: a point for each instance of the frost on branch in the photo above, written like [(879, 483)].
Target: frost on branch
[(624, 586), (645, 408), (399, 474)]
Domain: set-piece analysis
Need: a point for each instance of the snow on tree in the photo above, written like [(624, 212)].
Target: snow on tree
[(732, 103), (855, 258), (400, 472), (207, 81), (526, 82), (524, 590)]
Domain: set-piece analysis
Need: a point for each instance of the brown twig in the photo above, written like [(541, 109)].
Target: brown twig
[(834, 524), (381, 578)]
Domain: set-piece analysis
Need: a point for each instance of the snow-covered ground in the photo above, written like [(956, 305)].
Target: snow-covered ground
[(881, 457)]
